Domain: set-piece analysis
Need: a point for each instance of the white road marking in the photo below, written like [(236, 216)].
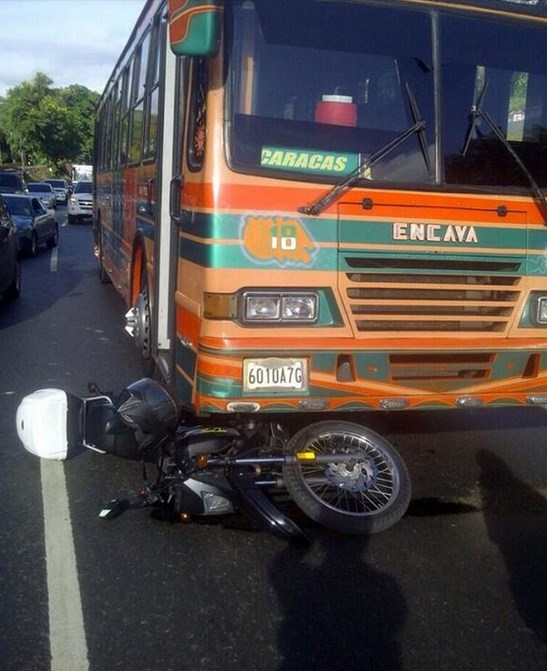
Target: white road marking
[(66, 623), (54, 260)]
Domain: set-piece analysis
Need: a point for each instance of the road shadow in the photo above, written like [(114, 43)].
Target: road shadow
[(451, 421), (338, 612), (53, 275), (516, 519)]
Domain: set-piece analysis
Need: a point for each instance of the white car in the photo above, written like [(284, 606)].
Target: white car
[(44, 192), (60, 188), (80, 203)]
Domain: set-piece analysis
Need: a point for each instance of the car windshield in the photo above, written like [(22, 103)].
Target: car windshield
[(39, 188), (310, 102), (18, 206), (10, 181), (83, 187), (57, 183)]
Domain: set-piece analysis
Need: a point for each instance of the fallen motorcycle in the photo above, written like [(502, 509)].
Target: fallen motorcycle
[(340, 474)]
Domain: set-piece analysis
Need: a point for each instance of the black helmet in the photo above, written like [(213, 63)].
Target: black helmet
[(148, 408)]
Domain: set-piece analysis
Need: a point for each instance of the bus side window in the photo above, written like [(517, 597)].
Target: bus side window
[(197, 127), (126, 108), (152, 103), (137, 99)]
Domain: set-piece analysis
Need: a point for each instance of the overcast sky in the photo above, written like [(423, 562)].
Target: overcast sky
[(71, 41)]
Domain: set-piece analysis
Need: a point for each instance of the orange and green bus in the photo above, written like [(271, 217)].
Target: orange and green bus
[(317, 208)]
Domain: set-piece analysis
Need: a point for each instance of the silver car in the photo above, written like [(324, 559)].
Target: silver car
[(35, 224), (60, 188), (44, 192)]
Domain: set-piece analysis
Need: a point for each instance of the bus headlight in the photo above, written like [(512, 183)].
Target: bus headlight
[(279, 307), (539, 311), (260, 308), (299, 308)]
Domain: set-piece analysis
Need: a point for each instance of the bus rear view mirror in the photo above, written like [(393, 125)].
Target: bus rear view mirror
[(194, 27)]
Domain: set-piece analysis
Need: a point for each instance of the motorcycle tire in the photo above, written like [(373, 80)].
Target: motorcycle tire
[(366, 487)]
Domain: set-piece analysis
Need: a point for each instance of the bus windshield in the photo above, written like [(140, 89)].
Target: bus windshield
[(317, 87)]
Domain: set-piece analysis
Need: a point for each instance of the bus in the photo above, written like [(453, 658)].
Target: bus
[(80, 172), (319, 209)]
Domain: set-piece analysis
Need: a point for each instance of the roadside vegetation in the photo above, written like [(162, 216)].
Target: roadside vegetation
[(45, 129)]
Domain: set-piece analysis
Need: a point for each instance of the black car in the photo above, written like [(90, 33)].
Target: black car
[(10, 267), (11, 181), (35, 223)]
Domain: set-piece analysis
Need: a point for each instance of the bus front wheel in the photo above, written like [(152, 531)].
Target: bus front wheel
[(104, 277), (138, 320)]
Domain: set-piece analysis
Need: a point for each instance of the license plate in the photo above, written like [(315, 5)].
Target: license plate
[(275, 374)]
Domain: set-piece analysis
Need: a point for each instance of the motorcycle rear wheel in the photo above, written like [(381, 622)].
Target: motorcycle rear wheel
[(364, 489)]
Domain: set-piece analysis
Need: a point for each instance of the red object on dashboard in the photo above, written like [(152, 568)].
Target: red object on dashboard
[(337, 110)]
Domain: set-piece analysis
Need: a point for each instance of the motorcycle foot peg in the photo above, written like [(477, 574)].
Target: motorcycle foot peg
[(114, 509)]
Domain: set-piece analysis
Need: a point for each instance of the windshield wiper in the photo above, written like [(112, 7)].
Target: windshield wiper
[(321, 204), (477, 112)]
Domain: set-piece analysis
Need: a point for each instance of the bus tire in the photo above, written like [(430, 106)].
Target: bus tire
[(104, 277), (142, 310), (363, 489)]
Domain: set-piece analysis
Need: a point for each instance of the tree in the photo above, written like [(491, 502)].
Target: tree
[(19, 116), (5, 150), (42, 124), (54, 127), (82, 103)]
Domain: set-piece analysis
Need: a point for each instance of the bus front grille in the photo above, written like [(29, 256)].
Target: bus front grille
[(420, 297)]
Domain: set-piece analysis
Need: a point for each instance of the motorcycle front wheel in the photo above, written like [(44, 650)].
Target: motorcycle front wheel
[(346, 477)]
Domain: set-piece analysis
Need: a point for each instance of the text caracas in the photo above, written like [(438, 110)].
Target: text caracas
[(434, 233), (304, 161)]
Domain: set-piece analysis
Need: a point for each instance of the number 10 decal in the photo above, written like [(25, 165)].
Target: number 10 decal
[(285, 238), (277, 239)]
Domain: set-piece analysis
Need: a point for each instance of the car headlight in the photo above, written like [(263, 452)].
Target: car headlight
[(279, 307)]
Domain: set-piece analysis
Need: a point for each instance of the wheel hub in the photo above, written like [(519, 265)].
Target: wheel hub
[(352, 476), (137, 323)]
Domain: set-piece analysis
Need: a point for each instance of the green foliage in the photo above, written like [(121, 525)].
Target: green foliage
[(41, 124)]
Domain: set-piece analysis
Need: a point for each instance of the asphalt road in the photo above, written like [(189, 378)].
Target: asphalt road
[(459, 584)]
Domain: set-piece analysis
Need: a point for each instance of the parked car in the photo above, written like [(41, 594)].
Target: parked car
[(60, 188), (10, 266), (44, 192), (35, 223), (80, 203), (11, 181)]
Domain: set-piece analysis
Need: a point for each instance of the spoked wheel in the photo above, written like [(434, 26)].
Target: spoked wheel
[(347, 478)]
